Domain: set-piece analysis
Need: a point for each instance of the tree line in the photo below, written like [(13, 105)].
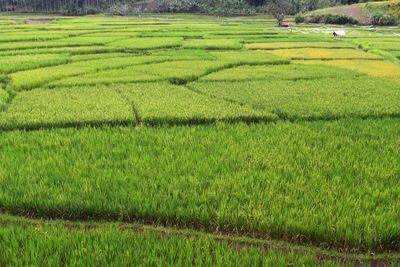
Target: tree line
[(78, 7)]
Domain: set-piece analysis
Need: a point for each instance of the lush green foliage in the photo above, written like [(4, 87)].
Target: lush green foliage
[(229, 125), (29, 79), (65, 107), (291, 71), (36, 243), (279, 179), (18, 63), (374, 68), (146, 43), (212, 44), (287, 45), (3, 96), (373, 12), (328, 19), (384, 13), (323, 53), (325, 98), (163, 103)]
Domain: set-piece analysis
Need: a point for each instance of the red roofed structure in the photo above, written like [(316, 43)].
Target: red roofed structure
[(285, 24)]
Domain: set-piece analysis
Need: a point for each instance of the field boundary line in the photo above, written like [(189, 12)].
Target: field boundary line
[(65, 125), (11, 95), (322, 250), (135, 111), (301, 47), (179, 81), (272, 117), (43, 84)]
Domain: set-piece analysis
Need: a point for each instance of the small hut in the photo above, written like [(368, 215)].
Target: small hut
[(284, 24)]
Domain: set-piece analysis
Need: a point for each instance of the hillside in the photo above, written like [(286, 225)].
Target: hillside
[(378, 13)]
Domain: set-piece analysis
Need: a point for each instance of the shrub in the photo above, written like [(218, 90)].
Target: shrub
[(299, 19), (330, 19), (339, 19), (383, 19), (314, 19)]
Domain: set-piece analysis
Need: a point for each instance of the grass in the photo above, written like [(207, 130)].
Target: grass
[(382, 69), (324, 98), (290, 71), (212, 44), (65, 107), (67, 42), (249, 58), (3, 96), (293, 45), (282, 180), (272, 146), (178, 67), (147, 43), (163, 103), (19, 63), (78, 50), (32, 36), (26, 80), (321, 53), (112, 244)]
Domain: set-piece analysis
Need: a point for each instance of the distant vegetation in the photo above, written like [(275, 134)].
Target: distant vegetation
[(376, 13), (202, 141), (121, 7)]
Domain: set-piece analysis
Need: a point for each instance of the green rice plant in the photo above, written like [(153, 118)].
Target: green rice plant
[(288, 38), (295, 45), (321, 53), (385, 46), (65, 107), (3, 97), (168, 33), (67, 42), (374, 68), (78, 50), (107, 77), (240, 38), (89, 40), (212, 44), (182, 71), (279, 72), (179, 72), (324, 169), (39, 243), (143, 68), (147, 43), (324, 98), (31, 36), (185, 54), (249, 58), (327, 182), (30, 79), (114, 33), (245, 32), (88, 56), (15, 63), (164, 103)]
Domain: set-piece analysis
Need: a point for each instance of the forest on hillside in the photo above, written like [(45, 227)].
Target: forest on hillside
[(81, 7)]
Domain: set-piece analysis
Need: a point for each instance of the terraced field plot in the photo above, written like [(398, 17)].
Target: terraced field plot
[(251, 145)]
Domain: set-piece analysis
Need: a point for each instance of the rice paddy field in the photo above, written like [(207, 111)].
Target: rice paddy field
[(179, 140)]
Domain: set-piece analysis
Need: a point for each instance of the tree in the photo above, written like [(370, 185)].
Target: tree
[(279, 8)]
